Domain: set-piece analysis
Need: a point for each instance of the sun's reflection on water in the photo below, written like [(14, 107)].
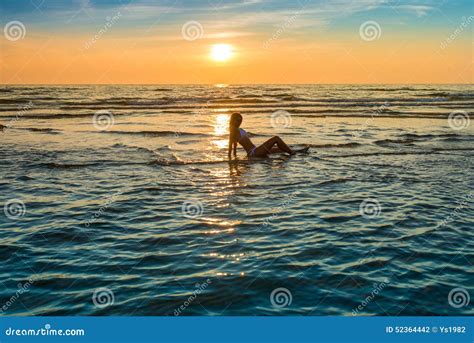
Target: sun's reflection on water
[(221, 124), (221, 128)]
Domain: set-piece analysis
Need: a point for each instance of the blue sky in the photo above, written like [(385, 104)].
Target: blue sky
[(245, 16)]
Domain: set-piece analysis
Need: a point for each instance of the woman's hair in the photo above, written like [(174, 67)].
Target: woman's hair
[(234, 124), (235, 120)]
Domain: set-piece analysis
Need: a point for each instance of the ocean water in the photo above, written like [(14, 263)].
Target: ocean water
[(119, 200)]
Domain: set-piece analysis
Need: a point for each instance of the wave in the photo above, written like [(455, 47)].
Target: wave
[(255, 110), (165, 162), (43, 130), (435, 151), (244, 101), (334, 181), (340, 145), (275, 89), (392, 89), (444, 136), (28, 100), (155, 133), (57, 165), (447, 94), (247, 96), (60, 165), (76, 102), (385, 142), (57, 116), (176, 134)]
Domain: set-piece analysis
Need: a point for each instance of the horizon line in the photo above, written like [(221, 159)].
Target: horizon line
[(226, 84)]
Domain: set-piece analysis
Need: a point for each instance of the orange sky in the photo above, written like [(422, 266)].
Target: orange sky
[(59, 61), (286, 51)]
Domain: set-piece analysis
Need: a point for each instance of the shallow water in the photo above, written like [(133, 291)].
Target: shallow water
[(142, 204)]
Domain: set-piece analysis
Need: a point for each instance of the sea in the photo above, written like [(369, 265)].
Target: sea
[(120, 200)]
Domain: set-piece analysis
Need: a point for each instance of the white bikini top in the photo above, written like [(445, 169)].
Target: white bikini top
[(243, 134)]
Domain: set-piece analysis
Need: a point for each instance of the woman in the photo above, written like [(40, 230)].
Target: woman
[(238, 135)]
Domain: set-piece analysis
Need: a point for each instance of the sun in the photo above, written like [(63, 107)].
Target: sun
[(221, 52)]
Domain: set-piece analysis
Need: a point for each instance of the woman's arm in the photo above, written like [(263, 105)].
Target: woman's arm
[(230, 146), (235, 149)]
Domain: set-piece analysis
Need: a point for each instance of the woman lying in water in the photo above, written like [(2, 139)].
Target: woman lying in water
[(238, 135)]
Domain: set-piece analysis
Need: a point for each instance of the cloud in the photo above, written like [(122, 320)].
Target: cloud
[(229, 34), (419, 10)]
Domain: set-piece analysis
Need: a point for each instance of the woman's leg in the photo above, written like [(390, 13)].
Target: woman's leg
[(267, 147), (276, 150)]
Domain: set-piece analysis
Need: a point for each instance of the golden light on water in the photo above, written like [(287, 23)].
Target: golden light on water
[(221, 128), (221, 124), (221, 52)]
